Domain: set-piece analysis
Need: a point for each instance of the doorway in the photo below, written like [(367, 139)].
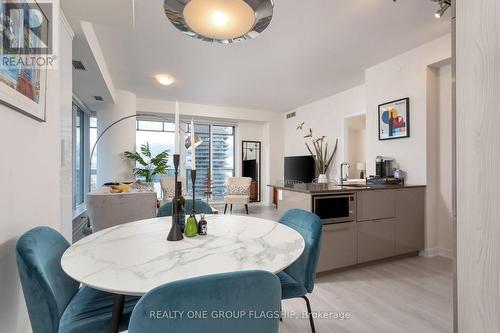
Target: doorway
[(355, 145), (439, 212)]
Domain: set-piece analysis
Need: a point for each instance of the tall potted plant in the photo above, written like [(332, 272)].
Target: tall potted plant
[(148, 166), (318, 149)]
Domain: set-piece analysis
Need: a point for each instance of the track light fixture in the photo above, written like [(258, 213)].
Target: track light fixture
[(443, 6)]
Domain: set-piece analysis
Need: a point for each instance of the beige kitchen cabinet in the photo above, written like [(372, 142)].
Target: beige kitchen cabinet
[(338, 246), (376, 205), (410, 219), (376, 239), (389, 221), (293, 200)]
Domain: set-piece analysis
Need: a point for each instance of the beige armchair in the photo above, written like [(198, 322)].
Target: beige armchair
[(238, 192), (168, 188)]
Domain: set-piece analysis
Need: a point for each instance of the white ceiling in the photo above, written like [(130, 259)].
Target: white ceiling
[(312, 49)]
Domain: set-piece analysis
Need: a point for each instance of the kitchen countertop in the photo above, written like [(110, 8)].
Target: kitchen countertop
[(334, 188)]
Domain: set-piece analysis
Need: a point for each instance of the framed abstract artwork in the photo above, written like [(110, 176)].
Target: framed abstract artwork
[(394, 120), (23, 78)]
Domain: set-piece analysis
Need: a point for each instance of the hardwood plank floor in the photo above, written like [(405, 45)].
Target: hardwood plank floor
[(412, 295)]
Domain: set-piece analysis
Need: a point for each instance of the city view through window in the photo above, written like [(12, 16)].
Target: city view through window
[(214, 157)]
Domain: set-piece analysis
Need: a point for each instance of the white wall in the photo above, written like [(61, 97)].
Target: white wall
[(66, 126), (254, 131), (407, 76), (257, 125), (325, 117), (400, 77), (30, 174)]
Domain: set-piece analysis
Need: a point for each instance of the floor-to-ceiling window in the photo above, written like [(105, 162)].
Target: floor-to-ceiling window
[(214, 156), (84, 137), (203, 161), (78, 155), (160, 136), (92, 140), (222, 158)]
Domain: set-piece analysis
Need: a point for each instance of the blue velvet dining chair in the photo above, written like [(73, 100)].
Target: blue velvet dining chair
[(56, 303), (201, 208), (298, 279), (243, 302)]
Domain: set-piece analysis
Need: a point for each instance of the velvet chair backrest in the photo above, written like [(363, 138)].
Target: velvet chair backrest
[(47, 289), (252, 298), (201, 208), (310, 227)]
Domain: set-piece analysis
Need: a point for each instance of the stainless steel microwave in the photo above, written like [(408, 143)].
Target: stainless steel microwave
[(335, 208)]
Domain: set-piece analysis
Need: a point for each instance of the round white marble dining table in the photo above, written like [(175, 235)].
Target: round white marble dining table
[(133, 258)]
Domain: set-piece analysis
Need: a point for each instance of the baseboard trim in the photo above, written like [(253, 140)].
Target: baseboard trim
[(432, 252), (369, 263), (435, 252), (446, 253)]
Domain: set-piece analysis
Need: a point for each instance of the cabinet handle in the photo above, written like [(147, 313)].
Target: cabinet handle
[(327, 229)]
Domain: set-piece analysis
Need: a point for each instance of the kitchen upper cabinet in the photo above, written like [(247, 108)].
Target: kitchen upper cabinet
[(376, 239), (410, 219), (376, 205), (338, 246)]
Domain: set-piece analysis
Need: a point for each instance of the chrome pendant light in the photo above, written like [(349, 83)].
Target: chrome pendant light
[(220, 21)]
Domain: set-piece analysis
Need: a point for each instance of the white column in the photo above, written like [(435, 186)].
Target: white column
[(112, 166)]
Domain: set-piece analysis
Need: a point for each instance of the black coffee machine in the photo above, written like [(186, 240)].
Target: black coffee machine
[(384, 167)]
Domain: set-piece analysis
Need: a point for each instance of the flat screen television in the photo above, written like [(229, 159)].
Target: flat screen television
[(299, 169)]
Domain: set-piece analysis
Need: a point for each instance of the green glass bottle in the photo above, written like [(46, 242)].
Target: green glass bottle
[(191, 228)]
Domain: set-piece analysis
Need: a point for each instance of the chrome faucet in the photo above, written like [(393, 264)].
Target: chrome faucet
[(342, 178)]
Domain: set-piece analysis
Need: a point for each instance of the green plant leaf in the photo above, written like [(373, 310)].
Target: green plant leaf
[(333, 154), (135, 157), (157, 165), (145, 150)]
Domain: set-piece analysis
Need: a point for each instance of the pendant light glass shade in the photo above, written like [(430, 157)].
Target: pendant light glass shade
[(222, 21)]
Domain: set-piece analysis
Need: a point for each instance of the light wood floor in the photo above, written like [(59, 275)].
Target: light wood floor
[(412, 295)]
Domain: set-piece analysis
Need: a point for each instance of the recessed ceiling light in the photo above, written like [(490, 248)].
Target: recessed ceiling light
[(222, 21), (164, 79)]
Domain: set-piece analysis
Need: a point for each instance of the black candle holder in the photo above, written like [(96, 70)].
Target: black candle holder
[(193, 182), (175, 233)]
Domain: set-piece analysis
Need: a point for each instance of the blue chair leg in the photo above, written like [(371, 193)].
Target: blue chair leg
[(311, 321)]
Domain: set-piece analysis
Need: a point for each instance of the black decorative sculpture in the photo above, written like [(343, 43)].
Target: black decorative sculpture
[(175, 233)]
